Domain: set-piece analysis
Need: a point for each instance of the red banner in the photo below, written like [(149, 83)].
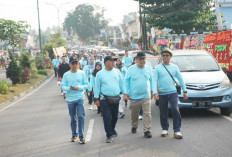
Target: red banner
[(220, 46)]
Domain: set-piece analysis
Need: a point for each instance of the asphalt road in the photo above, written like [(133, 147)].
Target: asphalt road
[(39, 126)]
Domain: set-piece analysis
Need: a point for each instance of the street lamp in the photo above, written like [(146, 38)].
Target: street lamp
[(58, 10)]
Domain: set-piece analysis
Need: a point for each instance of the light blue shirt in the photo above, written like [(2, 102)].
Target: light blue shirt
[(88, 69), (165, 83), (139, 82), (74, 79), (91, 83), (149, 64), (127, 61), (55, 63), (109, 83)]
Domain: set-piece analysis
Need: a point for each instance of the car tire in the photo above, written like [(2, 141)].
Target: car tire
[(226, 111)]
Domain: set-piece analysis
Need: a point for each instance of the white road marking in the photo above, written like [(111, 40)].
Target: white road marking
[(25, 96), (228, 118), (89, 131)]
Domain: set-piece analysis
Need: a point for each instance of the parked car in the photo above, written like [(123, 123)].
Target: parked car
[(206, 83)]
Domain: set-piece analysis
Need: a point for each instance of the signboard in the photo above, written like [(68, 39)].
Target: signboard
[(220, 46), (194, 42)]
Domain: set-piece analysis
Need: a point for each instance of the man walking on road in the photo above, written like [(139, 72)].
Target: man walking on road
[(74, 82), (167, 93), (127, 59), (139, 87), (109, 84), (63, 68)]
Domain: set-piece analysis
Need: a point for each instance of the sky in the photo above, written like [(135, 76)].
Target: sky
[(27, 10)]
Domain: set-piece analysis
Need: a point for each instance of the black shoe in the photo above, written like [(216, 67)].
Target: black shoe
[(121, 115), (147, 134), (133, 130), (82, 140)]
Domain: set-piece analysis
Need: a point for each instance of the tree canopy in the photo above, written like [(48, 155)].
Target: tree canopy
[(180, 15), (86, 21), (11, 31)]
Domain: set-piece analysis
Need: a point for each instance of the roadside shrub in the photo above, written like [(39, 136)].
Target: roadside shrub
[(48, 63), (24, 61), (4, 87), (13, 71), (42, 72), (39, 62), (25, 74), (33, 70)]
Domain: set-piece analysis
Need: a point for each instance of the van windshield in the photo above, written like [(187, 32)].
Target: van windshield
[(195, 63)]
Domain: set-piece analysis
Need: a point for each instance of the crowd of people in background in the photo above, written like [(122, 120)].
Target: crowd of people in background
[(111, 82)]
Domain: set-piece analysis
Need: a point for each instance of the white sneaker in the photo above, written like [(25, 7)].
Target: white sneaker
[(62, 94), (91, 107), (178, 135), (58, 83), (164, 133), (140, 117)]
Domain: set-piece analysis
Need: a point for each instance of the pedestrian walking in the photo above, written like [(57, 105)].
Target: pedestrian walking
[(108, 86), (127, 59), (55, 63), (98, 67), (74, 82), (63, 68), (139, 87), (119, 65), (88, 71), (166, 93)]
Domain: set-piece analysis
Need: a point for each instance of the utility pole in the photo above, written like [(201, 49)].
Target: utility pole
[(40, 43), (218, 14), (141, 25)]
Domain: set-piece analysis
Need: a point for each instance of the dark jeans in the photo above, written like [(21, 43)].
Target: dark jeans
[(90, 97), (110, 117), (163, 106), (56, 72)]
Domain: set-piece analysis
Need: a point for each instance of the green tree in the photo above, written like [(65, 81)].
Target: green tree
[(86, 21), (24, 61), (180, 15), (13, 71), (11, 31)]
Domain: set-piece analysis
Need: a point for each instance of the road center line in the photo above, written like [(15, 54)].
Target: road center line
[(24, 96), (89, 131)]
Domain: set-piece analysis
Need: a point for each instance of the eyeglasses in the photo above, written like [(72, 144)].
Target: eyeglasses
[(73, 63), (165, 55)]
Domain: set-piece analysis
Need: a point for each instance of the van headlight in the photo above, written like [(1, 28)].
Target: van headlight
[(225, 83)]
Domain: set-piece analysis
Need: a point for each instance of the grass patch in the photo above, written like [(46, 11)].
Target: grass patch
[(19, 88)]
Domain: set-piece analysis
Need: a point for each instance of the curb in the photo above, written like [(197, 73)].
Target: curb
[(15, 98)]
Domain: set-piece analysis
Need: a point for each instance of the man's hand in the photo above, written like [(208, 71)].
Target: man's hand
[(151, 95), (156, 96), (74, 88), (97, 102), (126, 97), (185, 96)]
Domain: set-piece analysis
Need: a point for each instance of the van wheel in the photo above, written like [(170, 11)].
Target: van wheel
[(226, 111)]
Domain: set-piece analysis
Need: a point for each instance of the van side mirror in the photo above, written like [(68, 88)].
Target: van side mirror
[(224, 68)]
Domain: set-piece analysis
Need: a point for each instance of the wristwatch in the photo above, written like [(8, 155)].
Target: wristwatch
[(185, 91)]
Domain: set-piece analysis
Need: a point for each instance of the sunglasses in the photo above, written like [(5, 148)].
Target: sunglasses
[(165, 55), (74, 63)]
